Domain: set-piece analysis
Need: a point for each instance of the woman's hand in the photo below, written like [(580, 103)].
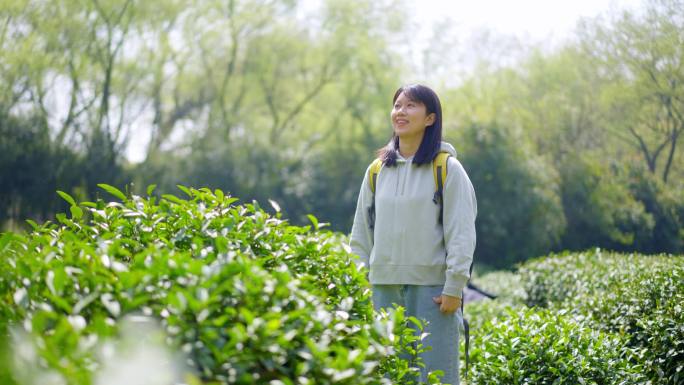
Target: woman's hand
[(447, 304)]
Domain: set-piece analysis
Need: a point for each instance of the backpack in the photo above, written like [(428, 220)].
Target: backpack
[(439, 171)]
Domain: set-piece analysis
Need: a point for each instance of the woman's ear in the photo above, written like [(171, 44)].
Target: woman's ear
[(430, 119)]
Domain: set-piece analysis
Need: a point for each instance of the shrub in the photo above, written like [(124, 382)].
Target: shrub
[(478, 313), (550, 281), (509, 293), (247, 297), (506, 285), (637, 297), (530, 346)]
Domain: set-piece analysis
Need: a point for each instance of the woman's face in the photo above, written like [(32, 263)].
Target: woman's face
[(409, 117)]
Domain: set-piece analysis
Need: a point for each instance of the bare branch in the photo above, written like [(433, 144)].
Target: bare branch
[(270, 102), (644, 149), (100, 11), (670, 157), (325, 78), (72, 103), (230, 68), (5, 28)]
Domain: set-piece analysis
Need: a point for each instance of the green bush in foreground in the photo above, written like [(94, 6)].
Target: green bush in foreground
[(527, 346), (637, 297), (245, 296)]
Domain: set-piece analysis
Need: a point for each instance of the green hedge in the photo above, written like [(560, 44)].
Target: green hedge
[(528, 346), (509, 291), (505, 285), (247, 297), (637, 297)]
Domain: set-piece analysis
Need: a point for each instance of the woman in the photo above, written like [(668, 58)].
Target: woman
[(415, 258)]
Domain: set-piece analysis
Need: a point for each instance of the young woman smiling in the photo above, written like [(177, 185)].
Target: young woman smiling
[(416, 258)]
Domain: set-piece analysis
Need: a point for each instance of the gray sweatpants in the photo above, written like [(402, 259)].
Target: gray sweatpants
[(443, 329)]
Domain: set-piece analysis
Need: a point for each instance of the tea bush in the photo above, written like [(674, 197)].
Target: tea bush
[(478, 313), (528, 346), (551, 281), (509, 291), (505, 285), (247, 297), (637, 297)]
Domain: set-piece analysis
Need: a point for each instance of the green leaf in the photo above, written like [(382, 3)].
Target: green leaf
[(219, 195), (222, 244), (33, 224), (60, 279), (62, 218), (151, 188), (5, 239), (112, 190), (59, 301), (173, 199), (76, 212), (185, 190), (67, 197), (313, 220)]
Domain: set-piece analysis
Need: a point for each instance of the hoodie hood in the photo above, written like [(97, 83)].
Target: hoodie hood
[(448, 148), (444, 146)]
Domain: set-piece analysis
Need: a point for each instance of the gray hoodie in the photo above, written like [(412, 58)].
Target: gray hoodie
[(409, 246)]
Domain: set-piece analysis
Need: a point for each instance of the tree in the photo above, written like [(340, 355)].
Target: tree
[(268, 102), (519, 209), (642, 56), (32, 168), (600, 207)]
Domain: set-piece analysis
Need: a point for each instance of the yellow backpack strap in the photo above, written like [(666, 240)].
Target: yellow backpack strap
[(372, 179), (373, 173), (439, 171)]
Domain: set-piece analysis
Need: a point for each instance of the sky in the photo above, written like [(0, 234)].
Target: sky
[(547, 22), (508, 24), (537, 19)]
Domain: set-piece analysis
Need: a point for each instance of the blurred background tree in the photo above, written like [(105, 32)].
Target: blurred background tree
[(568, 148)]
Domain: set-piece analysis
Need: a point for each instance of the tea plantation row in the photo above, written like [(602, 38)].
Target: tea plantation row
[(583, 318), (242, 297), (246, 298)]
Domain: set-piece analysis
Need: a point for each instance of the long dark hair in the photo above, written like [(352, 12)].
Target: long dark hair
[(432, 139)]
